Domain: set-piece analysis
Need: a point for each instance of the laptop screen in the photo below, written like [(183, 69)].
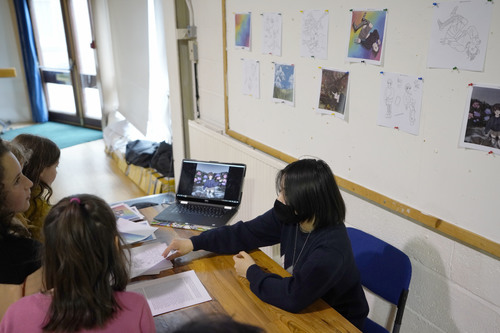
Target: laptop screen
[(211, 182)]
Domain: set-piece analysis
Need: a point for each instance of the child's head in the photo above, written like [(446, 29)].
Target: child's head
[(20, 152), (15, 190), (41, 168), (83, 261), (496, 109)]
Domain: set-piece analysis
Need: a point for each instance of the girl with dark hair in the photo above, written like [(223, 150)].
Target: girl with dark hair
[(308, 222), (20, 272), (41, 169), (85, 273)]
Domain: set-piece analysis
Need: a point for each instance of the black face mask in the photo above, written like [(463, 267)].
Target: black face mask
[(285, 213)]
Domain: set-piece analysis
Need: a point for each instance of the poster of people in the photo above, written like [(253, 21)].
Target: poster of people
[(481, 124), (367, 33)]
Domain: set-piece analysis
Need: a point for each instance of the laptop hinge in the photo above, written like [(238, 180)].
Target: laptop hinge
[(228, 207), (184, 202)]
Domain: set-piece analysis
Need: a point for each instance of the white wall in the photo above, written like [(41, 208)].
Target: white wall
[(13, 93), (454, 288), (208, 14)]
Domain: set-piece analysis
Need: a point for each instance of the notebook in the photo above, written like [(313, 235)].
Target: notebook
[(208, 195)]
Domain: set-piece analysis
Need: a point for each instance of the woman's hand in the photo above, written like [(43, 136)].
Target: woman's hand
[(178, 247), (242, 261)]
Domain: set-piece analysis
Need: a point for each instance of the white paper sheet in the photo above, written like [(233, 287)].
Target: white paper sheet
[(459, 35), (147, 259), (314, 37), (134, 231), (250, 84), (172, 292), (271, 33), (400, 102)]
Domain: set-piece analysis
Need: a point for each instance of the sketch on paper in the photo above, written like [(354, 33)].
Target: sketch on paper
[(400, 102), (333, 92), (271, 33), (459, 35), (242, 30), (283, 87), (367, 32), (481, 122), (314, 38), (250, 84)]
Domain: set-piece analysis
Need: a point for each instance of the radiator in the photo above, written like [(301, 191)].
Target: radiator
[(259, 191)]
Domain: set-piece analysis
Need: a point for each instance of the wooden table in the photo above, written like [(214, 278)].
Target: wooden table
[(231, 293)]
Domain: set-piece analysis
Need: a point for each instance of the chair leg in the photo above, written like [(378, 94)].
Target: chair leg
[(399, 314)]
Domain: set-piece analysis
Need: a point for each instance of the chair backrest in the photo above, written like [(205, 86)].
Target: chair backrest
[(384, 270)]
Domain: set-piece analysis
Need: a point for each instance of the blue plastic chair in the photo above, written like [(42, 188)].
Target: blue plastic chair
[(384, 270)]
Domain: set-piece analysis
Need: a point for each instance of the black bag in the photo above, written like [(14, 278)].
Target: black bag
[(140, 152), (163, 160)]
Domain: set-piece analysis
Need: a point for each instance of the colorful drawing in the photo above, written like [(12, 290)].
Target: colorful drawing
[(481, 123), (242, 29), (333, 92), (367, 36), (283, 88)]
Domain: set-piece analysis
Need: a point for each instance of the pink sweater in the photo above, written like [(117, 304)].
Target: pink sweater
[(28, 315)]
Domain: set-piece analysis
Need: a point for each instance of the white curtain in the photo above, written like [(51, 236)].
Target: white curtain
[(159, 122), (104, 53), (132, 63)]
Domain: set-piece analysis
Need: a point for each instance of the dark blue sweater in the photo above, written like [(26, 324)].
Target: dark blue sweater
[(325, 269)]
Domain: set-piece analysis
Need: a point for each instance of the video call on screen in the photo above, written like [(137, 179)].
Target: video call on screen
[(211, 181)]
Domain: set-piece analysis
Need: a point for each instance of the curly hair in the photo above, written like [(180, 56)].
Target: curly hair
[(44, 153), (7, 225)]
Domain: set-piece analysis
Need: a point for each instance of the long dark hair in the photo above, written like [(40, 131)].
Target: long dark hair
[(83, 263), (7, 227), (44, 153), (311, 191)]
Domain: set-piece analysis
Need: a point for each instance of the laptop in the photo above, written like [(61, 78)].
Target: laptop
[(208, 195)]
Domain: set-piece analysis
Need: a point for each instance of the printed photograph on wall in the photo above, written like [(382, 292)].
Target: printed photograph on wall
[(250, 84), (271, 33), (242, 30), (333, 92), (367, 33), (481, 124), (314, 36), (400, 102), (459, 35), (283, 87)]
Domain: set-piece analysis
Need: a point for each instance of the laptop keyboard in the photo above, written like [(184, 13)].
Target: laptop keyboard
[(208, 211)]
